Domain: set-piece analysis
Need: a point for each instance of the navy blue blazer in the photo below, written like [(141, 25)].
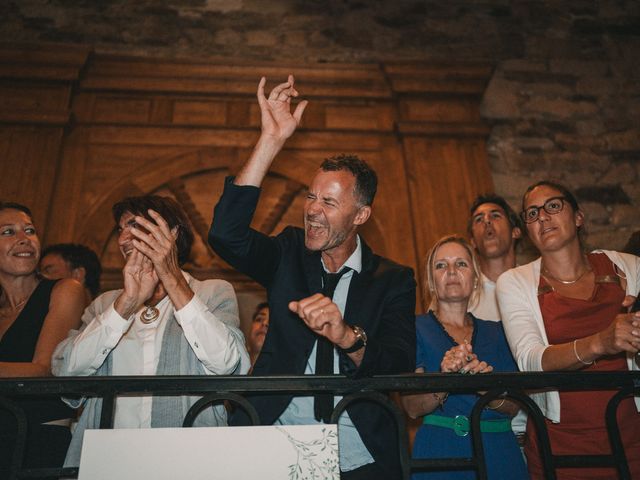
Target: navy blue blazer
[(381, 300)]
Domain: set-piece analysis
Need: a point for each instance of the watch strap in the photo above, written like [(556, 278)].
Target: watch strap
[(361, 340)]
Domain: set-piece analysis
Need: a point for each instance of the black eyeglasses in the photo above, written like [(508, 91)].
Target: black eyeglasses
[(552, 206)]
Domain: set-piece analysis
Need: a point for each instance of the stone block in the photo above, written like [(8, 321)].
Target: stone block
[(295, 37), (607, 195), (614, 116), (633, 192), (594, 85), (533, 144), (559, 107), (578, 169), (624, 215), (580, 142), (623, 141), (609, 239), (548, 89), (611, 10), (619, 173), (513, 185), (582, 68), (633, 106), (574, 179), (542, 47), (541, 78), (534, 127), (590, 126), (227, 36), (523, 65), (595, 213), (581, 161), (500, 99), (262, 38), (501, 153)]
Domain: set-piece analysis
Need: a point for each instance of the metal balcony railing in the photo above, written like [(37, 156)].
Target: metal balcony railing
[(232, 388)]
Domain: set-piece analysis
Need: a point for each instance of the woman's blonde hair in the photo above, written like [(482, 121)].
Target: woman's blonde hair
[(429, 288)]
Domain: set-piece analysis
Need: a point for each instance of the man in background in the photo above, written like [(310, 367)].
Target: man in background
[(495, 230), (259, 327), (72, 260)]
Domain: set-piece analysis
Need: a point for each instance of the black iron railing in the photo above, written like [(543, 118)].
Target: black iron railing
[(231, 388)]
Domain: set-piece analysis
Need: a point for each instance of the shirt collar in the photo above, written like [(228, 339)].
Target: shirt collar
[(354, 262)]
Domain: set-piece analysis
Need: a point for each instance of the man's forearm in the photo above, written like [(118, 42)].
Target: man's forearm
[(256, 168)]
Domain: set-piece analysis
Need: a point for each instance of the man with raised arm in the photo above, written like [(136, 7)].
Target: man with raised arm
[(336, 307)]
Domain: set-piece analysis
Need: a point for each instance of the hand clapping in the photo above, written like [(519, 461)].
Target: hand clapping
[(158, 244), (140, 281)]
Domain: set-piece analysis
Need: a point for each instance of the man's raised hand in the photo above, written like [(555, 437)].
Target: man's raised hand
[(277, 120)]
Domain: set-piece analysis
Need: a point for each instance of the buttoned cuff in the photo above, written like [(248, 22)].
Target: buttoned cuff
[(113, 321), (191, 310)]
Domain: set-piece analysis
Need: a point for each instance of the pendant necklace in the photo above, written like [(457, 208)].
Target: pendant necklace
[(149, 314), (547, 273), (18, 306), (466, 336)]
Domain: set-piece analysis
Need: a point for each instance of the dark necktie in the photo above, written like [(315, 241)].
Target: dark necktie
[(323, 403)]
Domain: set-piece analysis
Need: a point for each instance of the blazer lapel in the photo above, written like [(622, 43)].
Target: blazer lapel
[(312, 270), (358, 287)]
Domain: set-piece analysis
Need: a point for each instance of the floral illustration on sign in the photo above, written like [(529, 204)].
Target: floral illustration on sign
[(316, 459)]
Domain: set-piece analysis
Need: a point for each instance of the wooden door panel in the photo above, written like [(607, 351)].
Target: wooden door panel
[(28, 166), (178, 127), (446, 176)]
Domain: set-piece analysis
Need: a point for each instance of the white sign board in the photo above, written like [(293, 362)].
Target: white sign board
[(266, 452)]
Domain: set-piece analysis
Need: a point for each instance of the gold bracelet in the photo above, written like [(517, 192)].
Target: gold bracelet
[(575, 352), (496, 408)]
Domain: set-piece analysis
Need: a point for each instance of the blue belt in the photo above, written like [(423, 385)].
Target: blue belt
[(461, 426)]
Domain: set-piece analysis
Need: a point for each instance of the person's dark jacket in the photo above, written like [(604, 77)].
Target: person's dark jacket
[(381, 300)]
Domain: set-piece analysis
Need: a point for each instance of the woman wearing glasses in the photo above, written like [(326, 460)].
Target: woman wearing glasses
[(567, 311)]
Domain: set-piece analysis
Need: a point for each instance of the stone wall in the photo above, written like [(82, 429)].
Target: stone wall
[(564, 101)]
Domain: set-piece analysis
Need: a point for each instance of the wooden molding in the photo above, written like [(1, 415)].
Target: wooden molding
[(443, 129), (140, 125)]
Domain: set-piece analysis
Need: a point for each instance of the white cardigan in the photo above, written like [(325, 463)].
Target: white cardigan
[(517, 291)]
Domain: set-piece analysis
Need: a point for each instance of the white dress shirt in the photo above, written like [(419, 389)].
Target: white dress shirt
[(135, 347), (353, 452)]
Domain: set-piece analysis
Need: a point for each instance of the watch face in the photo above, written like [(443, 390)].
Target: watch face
[(361, 339), (360, 333)]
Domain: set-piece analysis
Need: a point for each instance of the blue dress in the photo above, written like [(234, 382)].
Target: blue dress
[(503, 457)]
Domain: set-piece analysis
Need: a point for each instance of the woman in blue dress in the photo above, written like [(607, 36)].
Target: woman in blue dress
[(449, 339)]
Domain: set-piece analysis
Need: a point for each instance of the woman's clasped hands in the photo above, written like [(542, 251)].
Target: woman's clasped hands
[(461, 359)]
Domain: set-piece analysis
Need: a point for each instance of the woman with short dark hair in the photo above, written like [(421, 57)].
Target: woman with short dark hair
[(163, 322)]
